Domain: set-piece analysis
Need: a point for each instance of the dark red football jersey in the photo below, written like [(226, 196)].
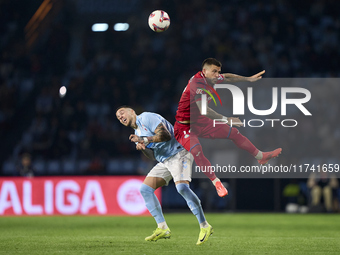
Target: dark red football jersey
[(187, 108)]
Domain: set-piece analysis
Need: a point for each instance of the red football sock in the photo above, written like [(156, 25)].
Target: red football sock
[(202, 161), (242, 142)]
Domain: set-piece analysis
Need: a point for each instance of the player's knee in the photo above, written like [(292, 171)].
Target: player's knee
[(182, 188), (146, 190), (197, 150), (234, 133)]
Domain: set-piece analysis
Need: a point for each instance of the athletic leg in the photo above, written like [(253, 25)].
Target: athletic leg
[(205, 167), (224, 131), (147, 190), (243, 143), (180, 167), (157, 177), (240, 140), (191, 143), (195, 206), (201, 161), (193, 201)]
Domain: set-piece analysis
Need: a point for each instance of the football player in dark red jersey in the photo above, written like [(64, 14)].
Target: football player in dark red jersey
[(190, 124)]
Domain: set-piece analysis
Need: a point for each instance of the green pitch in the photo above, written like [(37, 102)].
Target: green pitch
[(234, 234)]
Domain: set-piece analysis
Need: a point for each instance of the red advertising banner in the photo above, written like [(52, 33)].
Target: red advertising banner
[(105, 195)]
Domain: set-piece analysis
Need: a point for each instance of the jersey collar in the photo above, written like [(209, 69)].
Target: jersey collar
[(137, 121)]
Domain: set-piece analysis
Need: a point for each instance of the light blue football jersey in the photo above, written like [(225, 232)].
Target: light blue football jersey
[(147, 122)]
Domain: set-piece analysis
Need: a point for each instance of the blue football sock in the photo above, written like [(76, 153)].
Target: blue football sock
[(152, 203), (192, 200)]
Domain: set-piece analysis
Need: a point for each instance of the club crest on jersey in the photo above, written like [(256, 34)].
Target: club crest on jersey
[(210, 95), (144, 127), (186, 136), (199, 91)]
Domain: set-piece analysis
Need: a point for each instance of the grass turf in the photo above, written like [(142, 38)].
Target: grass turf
[(234, 234)]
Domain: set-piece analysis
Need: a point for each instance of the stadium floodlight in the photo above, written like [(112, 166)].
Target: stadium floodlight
[(121, 26), (100, 27)]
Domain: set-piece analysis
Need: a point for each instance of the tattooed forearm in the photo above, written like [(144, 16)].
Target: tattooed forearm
[(230, 77), (161, 134)]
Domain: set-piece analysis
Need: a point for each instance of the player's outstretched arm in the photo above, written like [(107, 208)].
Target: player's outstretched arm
[(211, 114), (237, 78), (162, 134)]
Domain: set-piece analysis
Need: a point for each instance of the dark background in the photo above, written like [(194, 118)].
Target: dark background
[(79, 134)]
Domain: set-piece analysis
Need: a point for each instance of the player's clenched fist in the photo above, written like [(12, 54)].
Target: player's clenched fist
[(135, 139), (140, 146)]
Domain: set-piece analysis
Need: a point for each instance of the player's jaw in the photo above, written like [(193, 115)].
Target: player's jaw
[(125, 120), (211, 81)]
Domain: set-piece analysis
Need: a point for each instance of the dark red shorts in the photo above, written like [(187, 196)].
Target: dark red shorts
[(187, 134)]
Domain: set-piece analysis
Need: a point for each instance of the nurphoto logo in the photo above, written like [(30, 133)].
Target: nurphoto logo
[(239, 98)]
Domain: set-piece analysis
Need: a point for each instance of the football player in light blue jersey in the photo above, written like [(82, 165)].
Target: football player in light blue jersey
[(154, 136)]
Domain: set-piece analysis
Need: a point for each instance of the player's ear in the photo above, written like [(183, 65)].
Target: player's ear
[(205, 69)]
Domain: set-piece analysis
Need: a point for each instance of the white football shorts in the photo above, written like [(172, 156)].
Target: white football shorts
[(177, 167)]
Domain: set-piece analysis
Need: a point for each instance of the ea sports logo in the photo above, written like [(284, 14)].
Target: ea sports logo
[(129, 198)]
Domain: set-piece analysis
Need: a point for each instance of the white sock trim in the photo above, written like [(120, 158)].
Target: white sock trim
[(162, 225), (215, 180), (259, 155), (204, 224)]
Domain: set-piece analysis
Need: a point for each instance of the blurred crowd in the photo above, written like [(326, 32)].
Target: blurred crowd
[(149, 71), (16, 79)]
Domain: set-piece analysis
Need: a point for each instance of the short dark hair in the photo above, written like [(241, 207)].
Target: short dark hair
[(124, 106), (211, 61)]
